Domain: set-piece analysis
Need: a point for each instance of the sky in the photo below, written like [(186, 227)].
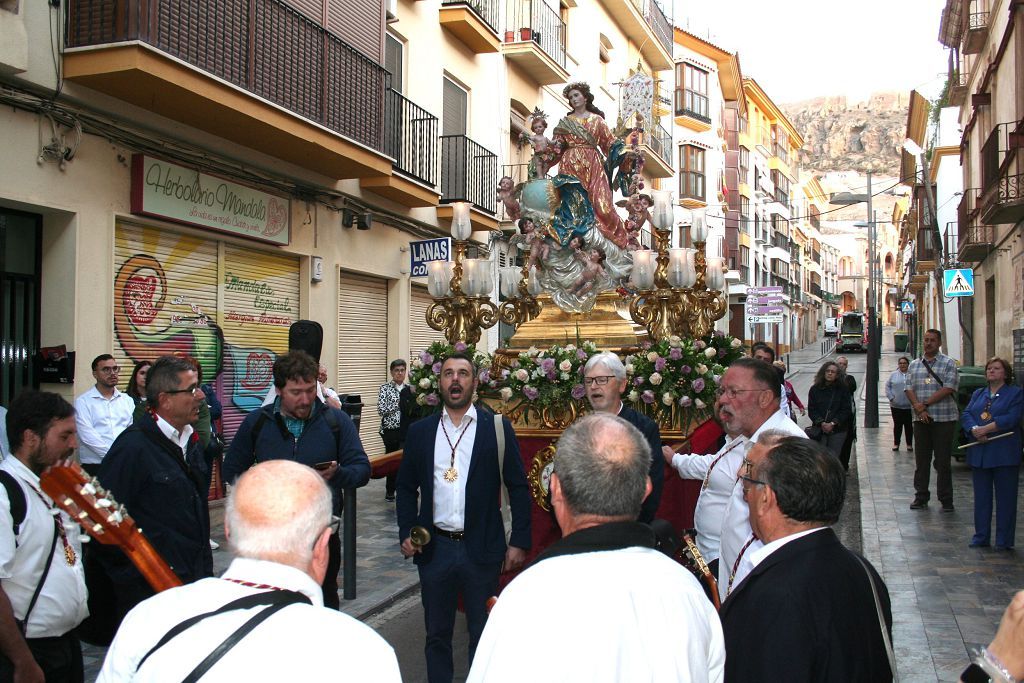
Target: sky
[(798, 49)]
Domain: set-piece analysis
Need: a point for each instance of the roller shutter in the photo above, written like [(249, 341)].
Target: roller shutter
[(421, 335), (363, 348)]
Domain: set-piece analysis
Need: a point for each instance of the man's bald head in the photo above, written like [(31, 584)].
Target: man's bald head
[(276, 511)]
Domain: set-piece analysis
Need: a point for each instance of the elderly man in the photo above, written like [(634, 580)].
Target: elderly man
[(278, 521), (156, 470), (932, 381), (748, 396), (604, 378), (618, 608), (39, 549), (811, 610), (449, 483), (298, 426), (101, 413)]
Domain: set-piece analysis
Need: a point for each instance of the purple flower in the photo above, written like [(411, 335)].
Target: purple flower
[(548, 364), (436, 368), (719, 333), (578, 391), (660, 364), (432, 399), (675, 353), (647, 397), (685, 401), (699, 345), (426, 358), (581, 354), (646, 345), (550, 374), (721, 353), (485, 376), (530, 393), (460, 347), (637, 381), (698, 385), (686, 369)]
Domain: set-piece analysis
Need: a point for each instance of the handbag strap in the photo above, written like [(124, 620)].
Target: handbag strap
[(881, 619), (931, 372)]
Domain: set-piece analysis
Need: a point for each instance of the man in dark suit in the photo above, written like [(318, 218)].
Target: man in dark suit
[(604, 378), (808, 610), (449, 483)]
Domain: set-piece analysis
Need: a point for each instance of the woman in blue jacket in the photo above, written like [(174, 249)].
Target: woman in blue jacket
[(995, 409)]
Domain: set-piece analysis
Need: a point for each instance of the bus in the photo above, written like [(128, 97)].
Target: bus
[(853, 332)]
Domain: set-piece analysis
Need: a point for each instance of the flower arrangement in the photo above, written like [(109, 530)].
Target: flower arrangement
[(425, 370), (675, 379), (551, 377)]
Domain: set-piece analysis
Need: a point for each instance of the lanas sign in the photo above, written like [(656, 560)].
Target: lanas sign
[(423, 251)]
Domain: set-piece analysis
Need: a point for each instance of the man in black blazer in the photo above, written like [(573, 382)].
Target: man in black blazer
[(449, 483), (808, 610), (604, 378)]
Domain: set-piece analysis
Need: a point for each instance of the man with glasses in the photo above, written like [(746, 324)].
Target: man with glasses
[(604, 378), (810, 609), (101, 413), (298, 426), (278, 522), (155, 468), (748, 399)]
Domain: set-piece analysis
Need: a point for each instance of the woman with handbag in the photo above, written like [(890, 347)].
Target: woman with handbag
[(995, 463), (899, 404), (828, 406)]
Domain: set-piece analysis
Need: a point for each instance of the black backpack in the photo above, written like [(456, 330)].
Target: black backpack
[(19, 506)]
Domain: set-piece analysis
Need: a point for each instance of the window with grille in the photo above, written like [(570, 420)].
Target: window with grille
[(691, 172)]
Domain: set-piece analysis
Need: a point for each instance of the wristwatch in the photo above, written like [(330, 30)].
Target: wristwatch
[(975, 674)]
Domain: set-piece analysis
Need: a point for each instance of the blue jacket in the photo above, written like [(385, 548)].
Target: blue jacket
[(165, 494), (317, 443), (649, 428), (1006, 410), (485, 532)]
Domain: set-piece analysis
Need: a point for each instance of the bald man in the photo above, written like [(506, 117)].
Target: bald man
[(278, 521)]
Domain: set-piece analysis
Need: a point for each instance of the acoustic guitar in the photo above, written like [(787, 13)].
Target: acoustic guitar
[(695, 560), (105, 520)]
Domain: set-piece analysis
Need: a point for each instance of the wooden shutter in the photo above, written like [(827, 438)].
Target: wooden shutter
[(363, 348), (360, 23), (455, 109), (421, 335)]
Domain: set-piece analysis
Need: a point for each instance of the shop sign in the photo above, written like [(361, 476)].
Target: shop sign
[(423, 251), (165, 190)]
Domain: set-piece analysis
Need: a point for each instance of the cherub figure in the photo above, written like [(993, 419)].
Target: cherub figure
[(506, 195), (546, 152), (592, 270), (531, 237)]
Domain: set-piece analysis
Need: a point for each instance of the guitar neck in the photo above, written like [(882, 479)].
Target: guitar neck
[(151, 565)]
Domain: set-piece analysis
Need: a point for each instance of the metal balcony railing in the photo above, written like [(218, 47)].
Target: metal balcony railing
[(469, 173), (534, 20), (410, 136), (693, 104), (995, 152), (262, 46), (659, 140), (977, 20), (487, 10), (657, 20), (745, 274)]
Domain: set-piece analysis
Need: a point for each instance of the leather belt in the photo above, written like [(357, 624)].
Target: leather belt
[(454, 535)]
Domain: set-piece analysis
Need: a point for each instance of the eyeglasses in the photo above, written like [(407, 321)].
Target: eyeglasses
[(600, 380), (733, 393), (109, 370), (750, 480), (334, 525), (194, 389)]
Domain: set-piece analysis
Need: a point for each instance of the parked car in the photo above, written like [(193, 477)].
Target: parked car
[(831, 327)]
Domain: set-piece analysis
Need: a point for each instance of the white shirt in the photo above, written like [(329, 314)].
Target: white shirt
[(5, 448), (736, 525), (299, 643), (100, 420), (762, 553), (62, 602), (714, 498), (784, 402), (623, 615), (450, 497), (176, 437)]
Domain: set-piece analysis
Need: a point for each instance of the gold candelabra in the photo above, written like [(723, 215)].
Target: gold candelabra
[(520, 289)]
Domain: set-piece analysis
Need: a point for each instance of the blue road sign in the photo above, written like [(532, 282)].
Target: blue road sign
[(958, 282)]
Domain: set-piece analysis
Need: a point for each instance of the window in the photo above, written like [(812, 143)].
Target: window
[(744, 163), (744, 208), (394, 57), (692, 92), (691, 172), (456, 106)]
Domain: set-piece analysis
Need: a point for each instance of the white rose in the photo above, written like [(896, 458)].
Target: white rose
[(565, 365), (710, 352), (667, 399), (424, 383), (736, 343), (652, 356), (538, 373), (564, 375), (421, 399), (717, 379), (702, 369), (506, 393), (417, 364), (633, 396), (570, 347), (629, 368), (699, 404), (655, 378), (522, 375), (675, 341), (532, 351)]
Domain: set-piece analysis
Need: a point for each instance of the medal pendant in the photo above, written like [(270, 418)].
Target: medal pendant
[(69, 555), (451, 474), (928, 380), (985, 415)]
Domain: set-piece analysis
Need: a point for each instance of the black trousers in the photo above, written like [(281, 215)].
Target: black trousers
[(393, 440), (60, 658), (934, 447), (902, 422), (330, 584)]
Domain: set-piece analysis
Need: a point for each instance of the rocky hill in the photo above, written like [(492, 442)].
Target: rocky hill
[(841, 135)]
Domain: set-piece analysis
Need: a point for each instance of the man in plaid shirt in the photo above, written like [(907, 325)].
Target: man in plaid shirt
[(931, 387)]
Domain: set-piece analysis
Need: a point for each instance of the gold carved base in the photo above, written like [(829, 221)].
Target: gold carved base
[(608, 325)]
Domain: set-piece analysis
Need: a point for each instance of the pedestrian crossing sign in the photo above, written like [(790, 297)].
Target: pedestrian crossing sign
[(958, 282)]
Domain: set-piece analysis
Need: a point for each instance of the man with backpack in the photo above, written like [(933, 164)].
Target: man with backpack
[(42, 585), (298, 426)]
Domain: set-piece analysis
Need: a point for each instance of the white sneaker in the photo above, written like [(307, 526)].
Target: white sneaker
[(213, 544)]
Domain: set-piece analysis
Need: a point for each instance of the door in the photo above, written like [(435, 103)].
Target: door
[(20, 266)]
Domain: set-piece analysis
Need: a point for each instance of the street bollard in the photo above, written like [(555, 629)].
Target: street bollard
[(348, 545)]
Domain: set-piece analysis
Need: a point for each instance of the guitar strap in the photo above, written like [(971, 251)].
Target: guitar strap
[(275, 600)]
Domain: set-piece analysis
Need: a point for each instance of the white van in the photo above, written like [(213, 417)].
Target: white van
[(831, 327)]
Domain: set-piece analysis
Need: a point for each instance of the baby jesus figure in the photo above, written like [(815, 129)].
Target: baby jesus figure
[(592, 270), (546, 152)]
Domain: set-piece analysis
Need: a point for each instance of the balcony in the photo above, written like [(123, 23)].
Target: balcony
[(474, 22), (657, 149), (975, 241), (535, 41), (469, 173), (958, 85), (254, 72), (977, 31), (692, 110), (644, 22), (410, 136), (1002, 173)]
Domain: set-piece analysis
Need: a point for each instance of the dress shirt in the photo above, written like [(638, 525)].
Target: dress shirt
[(719, 470), (5, 448), (758, 556), (925, 386), (61, 605), (299, 643), (450, 497), (179, 438), (736, 525), (784, 401), (100, 420)]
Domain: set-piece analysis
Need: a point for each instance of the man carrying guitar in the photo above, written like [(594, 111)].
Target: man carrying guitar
[(42, 586)]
